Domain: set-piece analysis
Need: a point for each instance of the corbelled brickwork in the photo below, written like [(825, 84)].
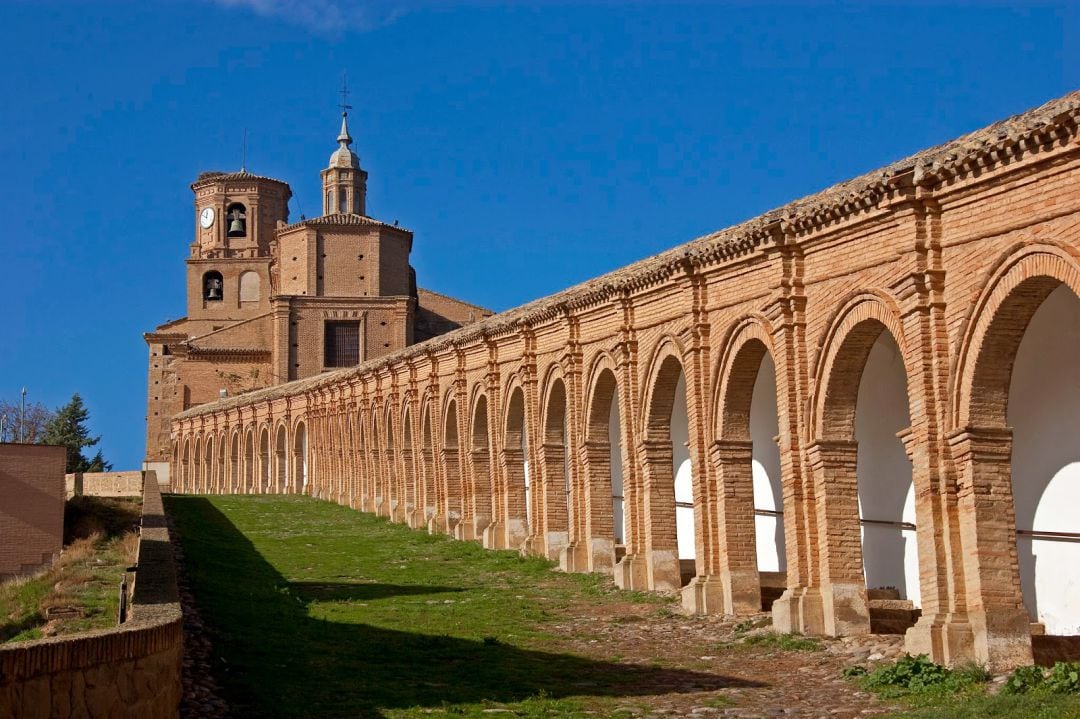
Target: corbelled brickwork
[(132, 670), (499, 431), (31, 507)]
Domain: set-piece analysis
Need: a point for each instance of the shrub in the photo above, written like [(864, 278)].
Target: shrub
[(1064, 678), (908, 674), (1023, 680)]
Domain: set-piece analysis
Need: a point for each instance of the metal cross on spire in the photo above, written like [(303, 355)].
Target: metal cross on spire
[(345, 106)]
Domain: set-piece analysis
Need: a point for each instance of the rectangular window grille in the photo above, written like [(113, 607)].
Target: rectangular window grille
[(342, 344)]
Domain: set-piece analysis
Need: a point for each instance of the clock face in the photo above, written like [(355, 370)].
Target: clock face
[(206, 217)]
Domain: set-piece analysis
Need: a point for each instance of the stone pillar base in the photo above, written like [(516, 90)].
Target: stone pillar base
[(846, 610), (554, 543), (494, 536), (601, 555), (574, 557), (665, 574), (705, 594), (517, 531), (417, 519), (438, 524), (945, 638), (799, 610), (631, 572), (1002, 639), (735, 593), (533, 546)]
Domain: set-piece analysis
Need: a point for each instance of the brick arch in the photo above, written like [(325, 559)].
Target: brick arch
[(478, 430), (665, 366), (428, 495), (842, 355), (185, 464), (602, 388), (746, 344), (478, 488), (300, 443), (515, 420), (450, 456), (221, 458), (408, 458), (280, 449), (1021, 279), (236, 442), (604, 499), (515, 508)]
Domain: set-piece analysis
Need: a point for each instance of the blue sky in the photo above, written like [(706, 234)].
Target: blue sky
[(529, 146)]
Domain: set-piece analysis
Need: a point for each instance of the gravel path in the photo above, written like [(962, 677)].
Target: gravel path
[(201, 699)]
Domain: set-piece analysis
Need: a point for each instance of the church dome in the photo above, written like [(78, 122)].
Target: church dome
[(344, 157)]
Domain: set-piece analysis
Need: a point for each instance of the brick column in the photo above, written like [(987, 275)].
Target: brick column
[(552, 498), (480, 494), (658, 489), (733, 585), (516, 523), (843, 588), (1001, 626), (595, 551), (451, 473)]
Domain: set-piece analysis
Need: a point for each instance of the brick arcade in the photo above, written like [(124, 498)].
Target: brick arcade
[(861, 393)]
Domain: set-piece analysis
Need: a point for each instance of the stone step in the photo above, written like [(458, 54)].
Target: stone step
[(883, 593), (892, 615)]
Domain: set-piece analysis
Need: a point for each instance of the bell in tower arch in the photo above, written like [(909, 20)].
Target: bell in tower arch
[(237, 216)]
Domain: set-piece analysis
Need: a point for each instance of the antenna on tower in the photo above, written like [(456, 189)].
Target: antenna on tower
[(243, 154)]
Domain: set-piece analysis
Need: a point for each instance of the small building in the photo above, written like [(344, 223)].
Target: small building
[(31, 507)]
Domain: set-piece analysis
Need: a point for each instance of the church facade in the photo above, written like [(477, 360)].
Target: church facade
[(269, 301)]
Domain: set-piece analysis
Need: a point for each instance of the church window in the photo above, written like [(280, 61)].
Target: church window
[(236, 214), (356, 203), (343, 205), (341, 344), (212, 286), (329, 201)]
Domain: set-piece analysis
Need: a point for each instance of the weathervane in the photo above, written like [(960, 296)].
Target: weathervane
[(345, 106)]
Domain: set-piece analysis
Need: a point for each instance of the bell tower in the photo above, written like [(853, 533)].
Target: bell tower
[(344, 183)]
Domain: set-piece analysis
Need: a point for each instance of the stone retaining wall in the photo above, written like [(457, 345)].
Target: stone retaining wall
[(131, 670), (103, 484)]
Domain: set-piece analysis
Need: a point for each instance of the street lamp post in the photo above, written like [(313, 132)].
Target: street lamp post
[(22, 416)]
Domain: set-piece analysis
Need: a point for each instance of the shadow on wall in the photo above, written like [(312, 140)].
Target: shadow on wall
[(284, 663)]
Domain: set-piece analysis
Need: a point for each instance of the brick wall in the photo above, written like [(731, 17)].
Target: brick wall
[(130, 671), (31, 506)]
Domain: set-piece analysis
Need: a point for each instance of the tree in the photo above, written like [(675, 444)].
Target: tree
[(68, 428), (23, 425)]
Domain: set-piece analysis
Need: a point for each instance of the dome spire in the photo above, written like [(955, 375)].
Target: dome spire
[(344, 156)]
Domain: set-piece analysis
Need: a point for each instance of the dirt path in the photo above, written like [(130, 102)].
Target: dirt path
[(789, 683)]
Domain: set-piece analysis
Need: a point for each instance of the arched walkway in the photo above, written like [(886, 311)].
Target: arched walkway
[(670, 508), (554, 520), (863, 477)]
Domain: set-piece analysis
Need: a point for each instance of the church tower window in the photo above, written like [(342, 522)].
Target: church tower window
[(343, 202), (213, 286), (236, 214)]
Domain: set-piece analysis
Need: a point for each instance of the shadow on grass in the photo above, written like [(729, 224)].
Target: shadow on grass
[(276, 660)]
